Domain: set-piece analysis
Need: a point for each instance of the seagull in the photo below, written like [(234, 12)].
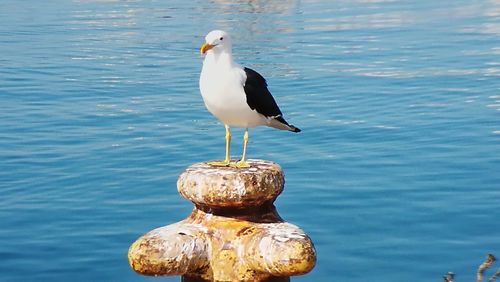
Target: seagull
[(237, 96)]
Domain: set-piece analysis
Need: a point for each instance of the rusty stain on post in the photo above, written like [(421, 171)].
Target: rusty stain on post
[(234, 232)]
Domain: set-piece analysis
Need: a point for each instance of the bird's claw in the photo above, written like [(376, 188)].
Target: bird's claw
[(240, 164), (219, 163)]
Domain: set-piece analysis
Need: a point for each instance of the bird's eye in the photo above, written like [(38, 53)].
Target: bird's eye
[(222, 38)]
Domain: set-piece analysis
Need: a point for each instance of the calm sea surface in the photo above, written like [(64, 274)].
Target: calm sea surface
[(396, 175)]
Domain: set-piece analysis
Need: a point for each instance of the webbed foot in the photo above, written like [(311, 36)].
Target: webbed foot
[(219, 163), (240, 164)]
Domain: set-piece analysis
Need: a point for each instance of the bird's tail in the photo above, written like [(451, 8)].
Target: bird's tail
[(294, 129), (280, 123)]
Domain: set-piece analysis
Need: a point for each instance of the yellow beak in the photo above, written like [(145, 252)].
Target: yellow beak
[(205, 47)]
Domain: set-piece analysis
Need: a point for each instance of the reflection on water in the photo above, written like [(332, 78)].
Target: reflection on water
[(396, 167)]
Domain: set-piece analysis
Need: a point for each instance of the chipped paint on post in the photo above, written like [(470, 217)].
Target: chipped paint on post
[(233, 233)]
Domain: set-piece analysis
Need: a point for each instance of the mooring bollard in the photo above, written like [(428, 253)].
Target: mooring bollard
[(233, 233)]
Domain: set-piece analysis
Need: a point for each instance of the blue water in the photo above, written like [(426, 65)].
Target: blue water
[(396, 175)]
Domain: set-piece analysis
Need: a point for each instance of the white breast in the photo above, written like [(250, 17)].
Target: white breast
[(221, 87)]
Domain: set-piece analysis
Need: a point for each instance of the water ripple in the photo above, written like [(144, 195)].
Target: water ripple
[(395, 168)]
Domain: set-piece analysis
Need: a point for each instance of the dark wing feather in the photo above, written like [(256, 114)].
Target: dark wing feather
[(260, 99), (258, 96)]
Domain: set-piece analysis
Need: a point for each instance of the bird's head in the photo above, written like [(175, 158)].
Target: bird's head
[(216, 40)]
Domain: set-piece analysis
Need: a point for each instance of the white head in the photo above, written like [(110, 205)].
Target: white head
[(217, 41)]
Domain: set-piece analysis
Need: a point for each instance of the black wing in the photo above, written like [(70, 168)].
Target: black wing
[(260, 99), (258, 96)]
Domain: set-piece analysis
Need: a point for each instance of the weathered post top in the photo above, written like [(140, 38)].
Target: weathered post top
[(219, 187), (233, 233)]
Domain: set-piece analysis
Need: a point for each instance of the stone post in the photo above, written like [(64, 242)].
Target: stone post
[(233, 233)]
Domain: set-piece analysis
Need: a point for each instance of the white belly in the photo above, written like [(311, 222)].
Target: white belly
[(225, 98)]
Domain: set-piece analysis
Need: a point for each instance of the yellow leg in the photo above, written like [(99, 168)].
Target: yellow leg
[(228, 144), (243, 163)]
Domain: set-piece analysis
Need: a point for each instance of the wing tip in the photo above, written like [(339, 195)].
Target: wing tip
[(280, 123), (295, 129)]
